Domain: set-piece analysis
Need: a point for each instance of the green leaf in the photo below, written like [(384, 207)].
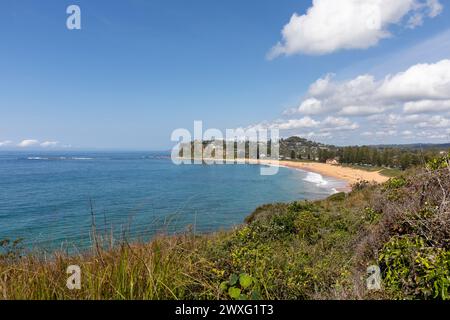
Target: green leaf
[(243, 297), (245, 281), (234, 292), (233, 279), (256, 295), (224, 286)]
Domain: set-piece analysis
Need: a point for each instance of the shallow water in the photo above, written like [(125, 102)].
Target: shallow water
[(46, 198)]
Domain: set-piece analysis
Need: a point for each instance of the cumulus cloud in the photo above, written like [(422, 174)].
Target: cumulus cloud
[(386, 133), (5, 143), (49, 144), (424, 106), (421, 88), (338, 124), (290, 124), (430, 8), (353, 97), (28, 143), (413, 104), (435, 122), (407, 133), (311, 106), (419, 82), (331, 25), (361, 110), (322, 128)]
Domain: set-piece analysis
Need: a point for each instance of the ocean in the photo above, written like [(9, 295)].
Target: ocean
[(51, 200)]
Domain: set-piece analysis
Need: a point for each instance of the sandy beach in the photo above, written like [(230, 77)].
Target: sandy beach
[(348, 174), (351, 175)]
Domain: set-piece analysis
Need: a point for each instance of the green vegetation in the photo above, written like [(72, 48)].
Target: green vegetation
[(389, 159), (301, 250), (364, 157)]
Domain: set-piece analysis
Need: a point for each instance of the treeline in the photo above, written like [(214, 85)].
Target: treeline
[(295, 148), (381, 157), (241, 149)]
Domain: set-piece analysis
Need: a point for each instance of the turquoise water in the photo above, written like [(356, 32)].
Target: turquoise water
[(46, 198)]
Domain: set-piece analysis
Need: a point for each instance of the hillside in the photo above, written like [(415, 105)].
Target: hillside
[(297, 148), (300, 250), (416, 146)]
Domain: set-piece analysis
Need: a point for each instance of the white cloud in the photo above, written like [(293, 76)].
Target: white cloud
[(421, 88), (386, 133), (435, 122), (333, 121), (353, 97), (322, 86), (407, 133), (28, 143), (325, 126), (311, 106), (431, 8), (393, 119), (305, 122), (419, 82), (5, 143), (48, 144), (331, 25), (413, 104), (435, 8), (424, 106), (361, 110), (431, 134)]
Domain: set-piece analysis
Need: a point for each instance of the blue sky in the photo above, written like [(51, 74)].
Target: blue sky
[(139, 69)]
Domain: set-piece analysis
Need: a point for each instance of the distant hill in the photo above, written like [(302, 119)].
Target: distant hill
[(400, 156), (415, 146)]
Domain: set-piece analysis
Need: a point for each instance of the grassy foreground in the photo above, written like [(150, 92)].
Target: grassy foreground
[(301, 250)]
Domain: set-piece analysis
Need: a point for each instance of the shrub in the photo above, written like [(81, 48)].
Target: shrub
[(371, 215), (395, 183), (241, 287), (337, 196), (414, 270), (439, 163), (11, 250)]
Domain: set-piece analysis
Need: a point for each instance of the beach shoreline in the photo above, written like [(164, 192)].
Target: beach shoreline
[(347, 174), (350, 175)]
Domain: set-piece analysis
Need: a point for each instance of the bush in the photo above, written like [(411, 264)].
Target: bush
[(337, 196), (302, 250), (439, 163), (412, 269)]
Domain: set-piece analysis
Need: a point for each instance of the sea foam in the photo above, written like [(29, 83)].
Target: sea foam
[(321, 182), (316, 178)]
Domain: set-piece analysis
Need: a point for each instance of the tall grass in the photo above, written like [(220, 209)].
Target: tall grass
[(169, 267), (302, 250)]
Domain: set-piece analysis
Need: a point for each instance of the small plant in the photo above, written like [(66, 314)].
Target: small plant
[(371, 216), (395, 183), (439, 163), (241, 287), (393, 188), (11, 250), (360, 185), (302, 206), (414, 270)]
